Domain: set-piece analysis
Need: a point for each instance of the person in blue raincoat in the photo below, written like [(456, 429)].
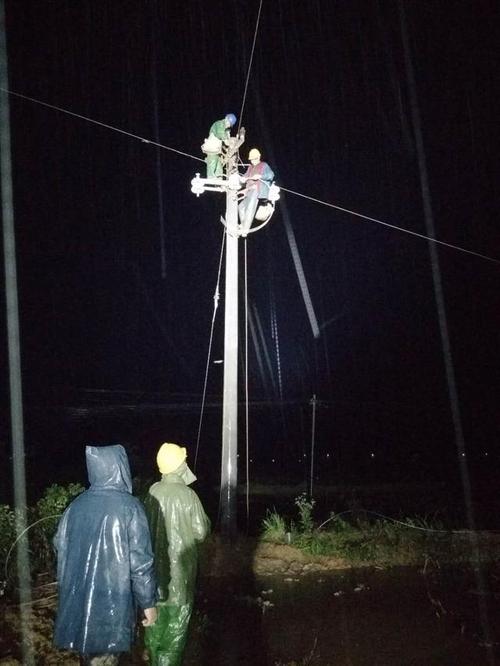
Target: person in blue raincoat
[(104, 563), (178, 523)]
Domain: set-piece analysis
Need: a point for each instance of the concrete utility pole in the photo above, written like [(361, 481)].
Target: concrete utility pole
[(14, 348), (231, 184), (229, 466)]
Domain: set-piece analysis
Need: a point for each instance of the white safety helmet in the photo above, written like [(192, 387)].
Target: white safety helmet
[(254, 154)]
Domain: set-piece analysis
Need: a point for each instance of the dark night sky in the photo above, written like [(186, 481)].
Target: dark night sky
[(328, 100)]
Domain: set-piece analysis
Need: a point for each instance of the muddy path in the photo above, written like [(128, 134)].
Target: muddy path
[(359, 617), (278, 607)]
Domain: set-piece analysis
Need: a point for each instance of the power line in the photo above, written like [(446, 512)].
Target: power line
[(295, 193), (392, 226), (97, 122)]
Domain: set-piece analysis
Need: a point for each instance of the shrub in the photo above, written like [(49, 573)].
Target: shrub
[(46, 514), (7, 534), (8, 537), (305, 508), (53, 502)]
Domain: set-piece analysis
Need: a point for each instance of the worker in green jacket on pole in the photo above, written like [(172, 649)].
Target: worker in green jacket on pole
[(177, 524), (212, 146)]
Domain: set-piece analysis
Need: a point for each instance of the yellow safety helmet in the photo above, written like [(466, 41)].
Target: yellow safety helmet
[(170, 457), (254, 154)]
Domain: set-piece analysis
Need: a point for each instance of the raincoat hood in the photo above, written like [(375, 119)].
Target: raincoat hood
[(108, 467)]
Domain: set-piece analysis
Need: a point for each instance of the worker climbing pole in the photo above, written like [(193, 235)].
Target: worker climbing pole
[(245, 192)]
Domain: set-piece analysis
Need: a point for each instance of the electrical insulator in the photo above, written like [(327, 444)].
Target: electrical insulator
[(197, 185), (274, 193)]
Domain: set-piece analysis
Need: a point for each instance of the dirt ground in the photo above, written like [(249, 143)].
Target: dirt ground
[(272, 605)]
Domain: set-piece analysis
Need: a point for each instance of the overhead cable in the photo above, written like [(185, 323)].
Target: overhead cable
[(97, 122), (391, 226), (250, 65), (284, 189)]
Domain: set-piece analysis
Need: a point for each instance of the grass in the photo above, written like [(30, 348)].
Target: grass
[(274, 527), (379, 541)]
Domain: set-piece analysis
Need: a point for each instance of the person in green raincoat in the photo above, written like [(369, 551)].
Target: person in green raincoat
[(177, 524), (212, 146)]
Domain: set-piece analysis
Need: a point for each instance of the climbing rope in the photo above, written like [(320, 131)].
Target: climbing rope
[(216, 303)]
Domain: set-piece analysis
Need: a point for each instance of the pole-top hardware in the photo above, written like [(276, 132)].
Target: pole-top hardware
[(200, 185)]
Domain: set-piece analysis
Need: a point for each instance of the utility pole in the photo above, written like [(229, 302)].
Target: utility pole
[(313, 402), (14, 348), (232, 186), (229, 467)]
